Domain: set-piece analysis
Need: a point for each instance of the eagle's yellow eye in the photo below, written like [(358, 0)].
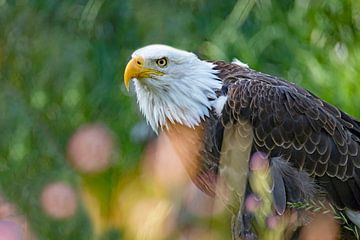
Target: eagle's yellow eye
[(161, 62)]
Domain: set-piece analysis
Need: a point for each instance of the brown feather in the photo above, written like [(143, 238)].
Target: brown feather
[(294, 124)]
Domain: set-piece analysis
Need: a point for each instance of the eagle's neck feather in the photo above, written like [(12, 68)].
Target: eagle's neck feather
[(183, 97)]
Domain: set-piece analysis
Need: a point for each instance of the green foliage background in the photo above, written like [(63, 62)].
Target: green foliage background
[(61, 65)]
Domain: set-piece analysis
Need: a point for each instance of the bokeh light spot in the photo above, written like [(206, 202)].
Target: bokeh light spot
[(58, 200), (90, 148), (10, 231)]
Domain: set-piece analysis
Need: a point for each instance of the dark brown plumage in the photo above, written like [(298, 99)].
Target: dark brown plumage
[(292, 123), (312, 145)]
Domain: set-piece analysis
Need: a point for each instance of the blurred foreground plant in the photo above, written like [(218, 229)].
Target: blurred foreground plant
[(267, 223), (320, 207)]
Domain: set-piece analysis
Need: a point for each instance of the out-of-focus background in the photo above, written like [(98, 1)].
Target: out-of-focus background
[(77, 160)]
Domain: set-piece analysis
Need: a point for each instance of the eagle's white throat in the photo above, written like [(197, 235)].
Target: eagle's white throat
[(184, 94)]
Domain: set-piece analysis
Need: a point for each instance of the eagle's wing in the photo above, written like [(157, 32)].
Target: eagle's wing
[(292, 123)]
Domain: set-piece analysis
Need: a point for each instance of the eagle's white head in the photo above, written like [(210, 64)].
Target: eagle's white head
[(172, 85)]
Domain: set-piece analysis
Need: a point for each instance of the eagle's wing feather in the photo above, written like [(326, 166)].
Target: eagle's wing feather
[(294, 124)]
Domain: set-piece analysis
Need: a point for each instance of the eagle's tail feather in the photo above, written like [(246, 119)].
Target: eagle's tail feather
[(279, 192), (290, 185)]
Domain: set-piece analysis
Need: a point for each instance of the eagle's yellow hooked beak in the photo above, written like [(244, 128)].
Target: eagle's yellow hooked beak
[(135, 69)]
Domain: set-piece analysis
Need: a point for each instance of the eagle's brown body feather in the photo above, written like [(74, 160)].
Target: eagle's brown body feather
[(295, 125)]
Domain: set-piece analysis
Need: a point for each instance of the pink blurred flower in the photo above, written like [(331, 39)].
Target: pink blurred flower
[(10, 230), (9, 213), (272, 221), (59, 200), (90, 148), (259, 161), (252, 203)]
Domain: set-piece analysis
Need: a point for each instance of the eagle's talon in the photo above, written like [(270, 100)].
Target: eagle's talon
[(241, 227), (246, 235)]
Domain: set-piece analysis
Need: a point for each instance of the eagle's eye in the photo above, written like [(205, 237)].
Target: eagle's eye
[(161, 62)]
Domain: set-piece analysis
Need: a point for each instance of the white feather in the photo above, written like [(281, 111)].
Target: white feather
[(182, 94), (219, 104), (240, 63)]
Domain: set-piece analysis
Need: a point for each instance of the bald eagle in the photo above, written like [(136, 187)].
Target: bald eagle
[(217, 114)]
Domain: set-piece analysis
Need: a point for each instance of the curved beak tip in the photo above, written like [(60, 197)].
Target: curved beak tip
[(127, 77), (127, 84), (132, 70)]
